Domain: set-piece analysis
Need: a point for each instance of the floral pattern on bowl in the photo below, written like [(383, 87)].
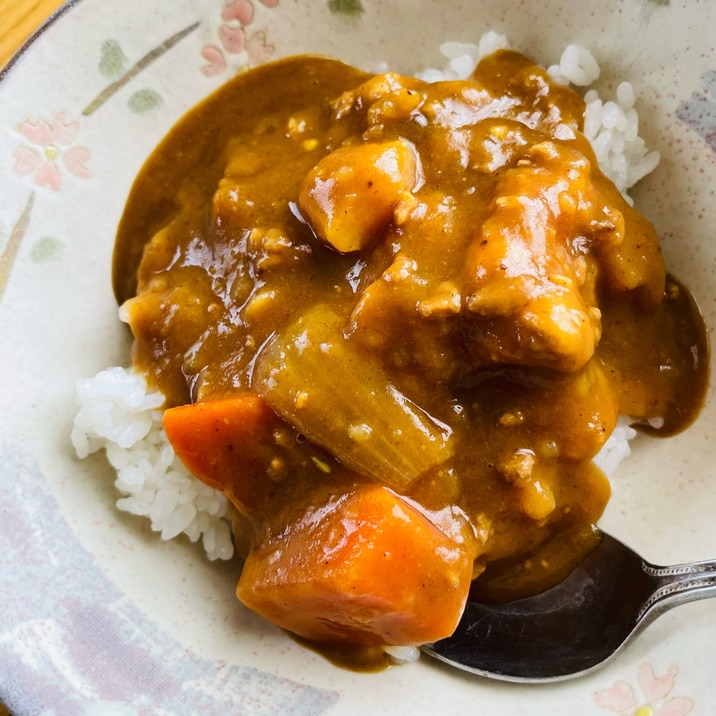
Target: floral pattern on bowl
[(653, 698)]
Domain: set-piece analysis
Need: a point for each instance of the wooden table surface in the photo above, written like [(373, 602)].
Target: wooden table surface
[(18, 20)]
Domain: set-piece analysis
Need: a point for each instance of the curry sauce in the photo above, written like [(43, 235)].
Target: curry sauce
[(429, 289)]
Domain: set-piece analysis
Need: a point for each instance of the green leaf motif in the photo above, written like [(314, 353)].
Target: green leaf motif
[(4, 236), (113, 62), (12, 246), (349, 8), (46, 250), (144, 100)]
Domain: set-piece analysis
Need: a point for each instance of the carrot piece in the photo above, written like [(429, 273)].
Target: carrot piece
[(366, 568), (223, 442)]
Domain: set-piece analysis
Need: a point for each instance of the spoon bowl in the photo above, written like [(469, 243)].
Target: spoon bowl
[(576, 626)]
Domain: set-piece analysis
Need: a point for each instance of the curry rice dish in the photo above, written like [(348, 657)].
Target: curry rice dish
[(392, 322)]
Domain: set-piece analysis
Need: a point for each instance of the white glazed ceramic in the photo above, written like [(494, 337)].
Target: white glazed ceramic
[(97, 615)]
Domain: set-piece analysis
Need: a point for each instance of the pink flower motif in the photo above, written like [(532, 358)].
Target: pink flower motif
[(51, 148), (653, 687), (259, 51), (215, 58), (236, 16), (232, 39), (621, 699), (241, 10)]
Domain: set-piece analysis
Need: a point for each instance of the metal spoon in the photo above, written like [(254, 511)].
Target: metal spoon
[(575, 627)]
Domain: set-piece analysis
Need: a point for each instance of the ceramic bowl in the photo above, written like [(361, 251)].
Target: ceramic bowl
[(98, 615)]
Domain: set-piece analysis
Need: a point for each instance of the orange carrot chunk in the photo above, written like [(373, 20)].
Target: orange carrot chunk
[(367, 568), (223, 442)]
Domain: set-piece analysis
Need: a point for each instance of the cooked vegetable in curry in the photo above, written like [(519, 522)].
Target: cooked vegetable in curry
[(394, 322)]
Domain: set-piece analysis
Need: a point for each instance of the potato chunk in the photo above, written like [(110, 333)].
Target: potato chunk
[(351, 194)]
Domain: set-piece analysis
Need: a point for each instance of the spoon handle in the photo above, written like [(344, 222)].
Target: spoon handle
[(677, 585)]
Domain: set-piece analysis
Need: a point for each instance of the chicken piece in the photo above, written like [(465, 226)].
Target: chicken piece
[(529, 277), (351, 194), (404, 92)]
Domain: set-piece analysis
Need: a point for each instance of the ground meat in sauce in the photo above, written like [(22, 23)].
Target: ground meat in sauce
[(432, 287)]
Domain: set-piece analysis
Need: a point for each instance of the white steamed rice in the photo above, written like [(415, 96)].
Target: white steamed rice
[(612, 126), (118, 414)]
